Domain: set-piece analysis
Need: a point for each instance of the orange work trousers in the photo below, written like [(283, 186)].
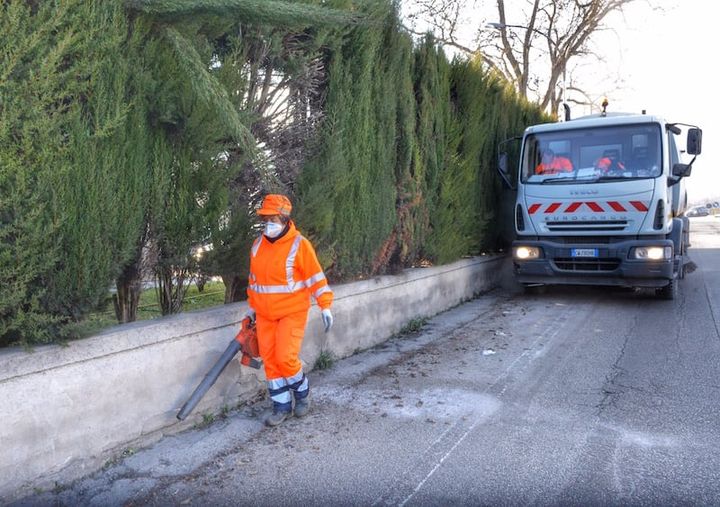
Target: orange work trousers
[(279, 342)]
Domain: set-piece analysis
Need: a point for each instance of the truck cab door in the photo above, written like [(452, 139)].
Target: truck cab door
[(508, 152)]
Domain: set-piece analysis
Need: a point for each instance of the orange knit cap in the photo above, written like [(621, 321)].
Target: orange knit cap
[(275, 204)]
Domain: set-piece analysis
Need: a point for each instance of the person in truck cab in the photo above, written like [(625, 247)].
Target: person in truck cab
[(552, 164), (610, 163)]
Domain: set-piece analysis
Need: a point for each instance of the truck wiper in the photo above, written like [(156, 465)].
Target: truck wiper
[(612, 178), (555, 180)]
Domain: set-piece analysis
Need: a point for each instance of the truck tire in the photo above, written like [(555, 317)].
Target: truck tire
[(681, 268), (669, 292), (686, 233)]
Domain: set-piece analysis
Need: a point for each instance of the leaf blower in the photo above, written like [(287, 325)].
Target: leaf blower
[(246, 342)]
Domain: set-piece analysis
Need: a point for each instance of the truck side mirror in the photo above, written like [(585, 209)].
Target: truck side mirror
[(694, 142), (682, 170), (502, 162), (503, 169)]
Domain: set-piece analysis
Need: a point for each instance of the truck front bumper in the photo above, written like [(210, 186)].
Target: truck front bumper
[(610, 265)]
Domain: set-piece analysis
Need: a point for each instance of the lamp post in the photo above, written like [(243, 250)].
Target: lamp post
[(500, 26)]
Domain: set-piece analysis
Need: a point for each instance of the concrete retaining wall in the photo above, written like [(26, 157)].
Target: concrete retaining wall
[(64, 411)]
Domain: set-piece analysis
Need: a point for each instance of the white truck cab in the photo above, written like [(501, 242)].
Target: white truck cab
[(599, 202)]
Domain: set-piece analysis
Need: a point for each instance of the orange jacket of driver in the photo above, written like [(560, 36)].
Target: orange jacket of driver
[(557, 165), (283, 276)]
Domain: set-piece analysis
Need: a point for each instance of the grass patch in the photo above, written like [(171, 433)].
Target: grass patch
[(148, 307), (324, 361), (126, 453), (413, 326), (207, 420)]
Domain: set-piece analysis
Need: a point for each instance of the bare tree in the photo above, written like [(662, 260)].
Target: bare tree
[(284, 74), (533, 45)]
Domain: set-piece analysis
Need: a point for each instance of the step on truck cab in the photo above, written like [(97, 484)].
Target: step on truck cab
[(600, 201)]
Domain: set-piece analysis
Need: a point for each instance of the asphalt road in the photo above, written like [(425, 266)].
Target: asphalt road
[(579, 396)]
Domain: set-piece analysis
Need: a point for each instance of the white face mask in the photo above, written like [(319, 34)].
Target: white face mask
[(273, 230)]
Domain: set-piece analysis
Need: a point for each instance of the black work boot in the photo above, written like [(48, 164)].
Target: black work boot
[(302, 406), (276, 418)]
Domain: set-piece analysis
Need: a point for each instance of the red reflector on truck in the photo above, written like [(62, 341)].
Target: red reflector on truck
[(574, 206), (553, 207), (639, 205), (594, 206)]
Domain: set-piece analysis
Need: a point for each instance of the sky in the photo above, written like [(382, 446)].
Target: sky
[(666, 58), (668, 62)]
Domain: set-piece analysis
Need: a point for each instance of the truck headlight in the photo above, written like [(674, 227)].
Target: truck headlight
[(651, 253), (525, 253)]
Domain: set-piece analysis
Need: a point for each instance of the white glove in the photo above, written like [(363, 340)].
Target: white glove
[(327, 318), (249, 313)]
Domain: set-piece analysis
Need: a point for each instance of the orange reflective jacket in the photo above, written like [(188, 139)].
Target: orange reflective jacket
[(558, 165), (606, 164), (283, 276)]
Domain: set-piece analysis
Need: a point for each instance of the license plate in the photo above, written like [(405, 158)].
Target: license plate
[(584, 252)]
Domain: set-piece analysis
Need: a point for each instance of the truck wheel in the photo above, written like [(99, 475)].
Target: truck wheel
[(681, 268), (668, 292)]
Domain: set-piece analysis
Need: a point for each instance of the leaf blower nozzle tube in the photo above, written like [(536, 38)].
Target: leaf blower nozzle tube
[(209, 379)]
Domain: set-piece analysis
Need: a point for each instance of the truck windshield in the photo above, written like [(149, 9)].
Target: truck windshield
[(591, 155)]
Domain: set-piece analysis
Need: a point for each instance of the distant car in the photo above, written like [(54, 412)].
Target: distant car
[(698, 211)]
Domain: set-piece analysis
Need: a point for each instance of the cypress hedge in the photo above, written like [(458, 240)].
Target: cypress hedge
[(406, 171), (127, 137), (72, 184)]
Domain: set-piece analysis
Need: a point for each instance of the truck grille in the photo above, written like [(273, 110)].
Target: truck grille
[(586, 264), (590, 225), (581, 240)]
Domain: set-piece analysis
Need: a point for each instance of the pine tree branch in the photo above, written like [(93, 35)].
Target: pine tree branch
[(258, 11), (208, 89)]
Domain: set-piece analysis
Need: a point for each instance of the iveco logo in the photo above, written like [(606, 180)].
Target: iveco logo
[(583, 192)]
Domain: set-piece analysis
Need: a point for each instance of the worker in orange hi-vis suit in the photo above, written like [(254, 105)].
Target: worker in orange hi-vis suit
[(284, 275), (609, 163), (550, 164)]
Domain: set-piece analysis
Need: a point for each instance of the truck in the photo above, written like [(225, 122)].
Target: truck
[(610, 213)]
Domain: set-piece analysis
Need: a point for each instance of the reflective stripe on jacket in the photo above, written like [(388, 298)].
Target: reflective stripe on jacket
[(284, 275)]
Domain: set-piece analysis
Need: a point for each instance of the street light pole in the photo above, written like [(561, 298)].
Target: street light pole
[(562, 98)]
